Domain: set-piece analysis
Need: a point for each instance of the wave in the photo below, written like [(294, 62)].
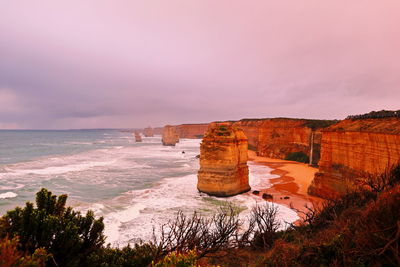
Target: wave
[(156, 206), (11, 186), (8, 195), (58, 169)]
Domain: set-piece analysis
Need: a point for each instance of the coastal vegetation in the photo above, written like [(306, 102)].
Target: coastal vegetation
[(298, 156), (251, 147), (360, 228), (319, 124), (376, 115)]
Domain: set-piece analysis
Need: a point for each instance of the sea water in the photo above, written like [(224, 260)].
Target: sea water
[(136, 187)]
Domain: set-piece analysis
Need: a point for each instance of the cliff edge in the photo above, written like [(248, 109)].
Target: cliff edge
[(353, 149)]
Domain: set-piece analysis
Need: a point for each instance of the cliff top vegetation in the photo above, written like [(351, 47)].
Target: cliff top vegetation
[(376, 115), (371, 123)]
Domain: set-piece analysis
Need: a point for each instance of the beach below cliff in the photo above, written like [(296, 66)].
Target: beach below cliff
[(290, 186)]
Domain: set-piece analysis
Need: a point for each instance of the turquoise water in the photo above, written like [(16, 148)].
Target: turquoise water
[(88, 165), (21, 145), (133, 185)]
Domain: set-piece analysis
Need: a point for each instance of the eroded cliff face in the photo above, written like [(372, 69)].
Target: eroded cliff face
[(191, 131), (158, 130), (148, 132), (169, 136), (223, 161), (352, 149), (251, 129), (277, 138)]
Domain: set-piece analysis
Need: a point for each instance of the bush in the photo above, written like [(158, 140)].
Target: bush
[(387, 179), (206, 235), (251, 147), (298, 156), (11, 256), (360, 228), (138, 255), (265, 224), (174, 259), (66, 234)]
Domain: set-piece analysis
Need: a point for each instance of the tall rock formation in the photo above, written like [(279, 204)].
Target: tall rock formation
[(223, 161), (169, 136), (353, 148), (148, 132), (138, 137)]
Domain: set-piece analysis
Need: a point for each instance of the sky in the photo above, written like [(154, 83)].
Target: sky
[(125, 64)]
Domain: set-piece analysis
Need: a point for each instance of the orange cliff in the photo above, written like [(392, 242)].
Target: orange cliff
[(223, 161), (191, 131), (169, 136), (278, 137), (158, 130), (352, 149), (148, 132)]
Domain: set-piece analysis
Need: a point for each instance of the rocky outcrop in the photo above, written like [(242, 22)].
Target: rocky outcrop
[(223, 161), (169, 136), (352, 149), (148, 132), (277, 138), (138, 137), (191, 131)]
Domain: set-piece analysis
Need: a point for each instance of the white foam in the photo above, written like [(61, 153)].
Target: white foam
[(11, 186), (156, 206), (65, 169), (8, 195)]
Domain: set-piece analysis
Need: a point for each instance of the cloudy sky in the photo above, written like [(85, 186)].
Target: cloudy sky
[(126, 63)]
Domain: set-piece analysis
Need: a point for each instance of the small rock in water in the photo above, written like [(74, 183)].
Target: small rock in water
[(256, 192), (267, 196), (198, 156), (183, 152), (286, 197)]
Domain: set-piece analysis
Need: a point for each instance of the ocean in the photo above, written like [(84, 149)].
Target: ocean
[(135, 186)]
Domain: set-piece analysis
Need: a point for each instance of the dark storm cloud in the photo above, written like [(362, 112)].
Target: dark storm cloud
[(75, 64)]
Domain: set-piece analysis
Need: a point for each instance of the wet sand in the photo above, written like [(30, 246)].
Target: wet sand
[(292, 183)]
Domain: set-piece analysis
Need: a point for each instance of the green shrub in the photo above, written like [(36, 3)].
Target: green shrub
[(138, 255), (69, 236), (251, 147), (298, 156), (174, 259)]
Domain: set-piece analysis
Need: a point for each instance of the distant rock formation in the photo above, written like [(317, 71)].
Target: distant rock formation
[(223, 161), (352, 149), (191, 131), (138, 137), (169, 136), (148, 132), (158, 130)]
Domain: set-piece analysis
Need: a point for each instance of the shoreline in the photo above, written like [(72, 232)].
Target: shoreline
[(293, 181)]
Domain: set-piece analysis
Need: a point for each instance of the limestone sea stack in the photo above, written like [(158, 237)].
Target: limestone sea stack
[(148, 132), (169, 136), (138, 137), (223, 161)]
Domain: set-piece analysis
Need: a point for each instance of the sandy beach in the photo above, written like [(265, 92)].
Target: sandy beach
[(290, 189)]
